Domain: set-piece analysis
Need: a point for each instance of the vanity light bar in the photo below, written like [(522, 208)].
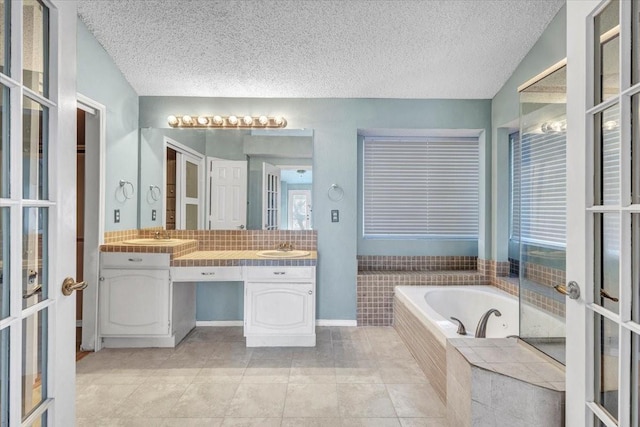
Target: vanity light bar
[(226, 122)]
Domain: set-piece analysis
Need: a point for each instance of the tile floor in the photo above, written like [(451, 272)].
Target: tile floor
[(353, 377)]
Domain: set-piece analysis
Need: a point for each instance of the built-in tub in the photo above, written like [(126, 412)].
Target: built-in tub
[(422, 317)]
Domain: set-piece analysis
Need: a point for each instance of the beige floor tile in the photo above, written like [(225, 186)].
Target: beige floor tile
[(311, 400), (251, 422), (280, 353), (342, 333), (231, 350), (258, 400), (416, 400), (381, 333), (370, 422), (358, 375), (424, 422), (204, 400), (219, 375), (151, 400), (192, 422), (100, 400), (395, 350), (311, 422), (326, 375), (172, 376), (353, 350), (364, 400)]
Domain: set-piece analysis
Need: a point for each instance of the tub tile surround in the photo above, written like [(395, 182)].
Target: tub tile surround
[(493, 382), (212, 379)]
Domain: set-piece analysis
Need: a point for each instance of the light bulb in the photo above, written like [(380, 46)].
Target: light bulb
[(233, 120), (203, 120), (263, 120), (217, 120), (279, 120), (187, 120), (247, 120), (610, 125), (172, 120)]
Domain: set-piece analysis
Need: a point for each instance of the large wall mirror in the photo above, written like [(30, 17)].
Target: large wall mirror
[(226, 179)]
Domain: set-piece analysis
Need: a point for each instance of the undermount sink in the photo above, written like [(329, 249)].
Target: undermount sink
[(152, 242), (283, 253)]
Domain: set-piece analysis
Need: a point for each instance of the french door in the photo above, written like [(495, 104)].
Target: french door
[(37, 211), (603, 212)]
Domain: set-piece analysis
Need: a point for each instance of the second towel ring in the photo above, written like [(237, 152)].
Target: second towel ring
[(155, 192), (335, 193)]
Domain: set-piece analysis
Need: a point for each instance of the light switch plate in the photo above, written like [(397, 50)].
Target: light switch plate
[(335, 215), (116, 215), (153, 215)]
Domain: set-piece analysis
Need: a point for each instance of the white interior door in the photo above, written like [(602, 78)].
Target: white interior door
[(227, 194), (270, 197), (37, 212), (299, 209), (603, 196)]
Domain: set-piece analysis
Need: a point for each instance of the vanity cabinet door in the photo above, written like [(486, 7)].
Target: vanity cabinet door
[(134, 302), (279, 308)]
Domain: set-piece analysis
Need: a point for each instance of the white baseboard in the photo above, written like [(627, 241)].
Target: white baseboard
[(336, 322), (319, 322), (219, 323)]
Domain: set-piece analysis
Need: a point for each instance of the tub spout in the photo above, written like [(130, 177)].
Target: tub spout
[(461, 329), (481, 330)]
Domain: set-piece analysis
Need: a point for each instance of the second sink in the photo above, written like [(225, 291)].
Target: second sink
[(274, 253)]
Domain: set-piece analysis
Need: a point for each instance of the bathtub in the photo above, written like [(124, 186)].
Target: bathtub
[(435, 305)]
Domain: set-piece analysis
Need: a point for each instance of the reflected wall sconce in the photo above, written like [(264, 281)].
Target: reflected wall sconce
[(554, 127), (226, 122)]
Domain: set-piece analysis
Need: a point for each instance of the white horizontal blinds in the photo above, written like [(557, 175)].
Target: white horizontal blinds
[(515, 163), (611, 156), (543, 188), (421, 187)]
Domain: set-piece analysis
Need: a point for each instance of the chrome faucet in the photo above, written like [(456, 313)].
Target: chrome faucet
[(481, 330), (461, 330), (163, 233)]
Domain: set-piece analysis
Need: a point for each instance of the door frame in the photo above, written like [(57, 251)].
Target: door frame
[(90, 341), (183, 149)]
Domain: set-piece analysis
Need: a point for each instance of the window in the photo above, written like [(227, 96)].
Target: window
[(421, 187), (538, 194)]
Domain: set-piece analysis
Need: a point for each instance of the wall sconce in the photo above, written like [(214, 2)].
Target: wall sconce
[(554, 127), (226, 122)]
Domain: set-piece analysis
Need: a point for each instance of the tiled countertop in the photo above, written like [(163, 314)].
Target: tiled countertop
[(508, 356), (185, 253)]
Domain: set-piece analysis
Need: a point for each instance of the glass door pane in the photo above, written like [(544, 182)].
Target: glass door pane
[(35, 150), (635, 43), (607, 56), (4, 377), (35, 242), (35, 73), (607, 260), (5, 40), (607, 344), (34, 361), (541, 231), (5, 257)]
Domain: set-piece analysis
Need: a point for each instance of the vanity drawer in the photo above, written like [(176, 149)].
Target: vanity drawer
[(280, 273), (206, 274), (134, 260)]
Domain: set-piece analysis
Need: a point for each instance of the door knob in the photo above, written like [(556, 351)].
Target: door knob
[(69, 285), (572, 290)]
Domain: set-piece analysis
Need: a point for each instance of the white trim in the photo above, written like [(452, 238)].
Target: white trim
[(90, 341), (219, 323), (555, 67), (336, 322)]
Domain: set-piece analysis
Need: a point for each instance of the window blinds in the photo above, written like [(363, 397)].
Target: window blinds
[(543, 189), (421, 187), (514, 207)]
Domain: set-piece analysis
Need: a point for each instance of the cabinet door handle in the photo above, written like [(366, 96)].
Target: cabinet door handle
[(212, 273), (279, 273), (135, 259)]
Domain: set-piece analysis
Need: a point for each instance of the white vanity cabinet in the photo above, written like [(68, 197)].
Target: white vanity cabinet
[(135, 300), (279, 306)]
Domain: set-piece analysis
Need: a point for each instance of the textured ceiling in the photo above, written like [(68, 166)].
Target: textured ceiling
[(318, 48)]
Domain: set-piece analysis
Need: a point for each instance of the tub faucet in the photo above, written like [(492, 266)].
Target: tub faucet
[(481, 330), (461, 329)]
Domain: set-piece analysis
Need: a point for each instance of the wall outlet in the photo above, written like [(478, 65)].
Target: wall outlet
[(153, 215), (116, 216), (335, 215)]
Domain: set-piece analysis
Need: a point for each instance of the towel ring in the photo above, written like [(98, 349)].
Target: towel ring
[(335, 193), (124, 185), (155, 192)]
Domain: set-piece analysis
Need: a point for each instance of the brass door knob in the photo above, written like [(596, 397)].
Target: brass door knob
[(69, 285)]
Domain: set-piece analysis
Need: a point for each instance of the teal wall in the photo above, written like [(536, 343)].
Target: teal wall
[(335, 123), (548, 50), (100, 80)]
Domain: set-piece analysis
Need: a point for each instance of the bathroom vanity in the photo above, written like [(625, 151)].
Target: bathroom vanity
[(149, 299)]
